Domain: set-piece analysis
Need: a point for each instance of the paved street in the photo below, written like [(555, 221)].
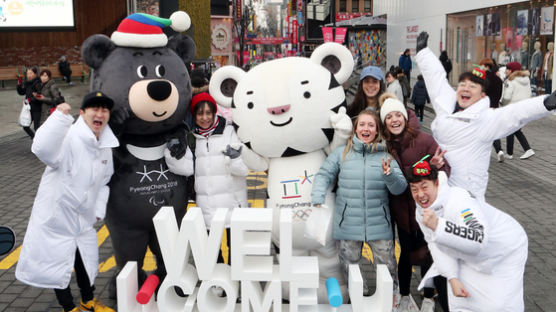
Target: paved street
[(526, 189)]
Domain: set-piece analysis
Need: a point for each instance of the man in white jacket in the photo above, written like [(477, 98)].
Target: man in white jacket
[(480, 250), (72, 196), (464, 126)]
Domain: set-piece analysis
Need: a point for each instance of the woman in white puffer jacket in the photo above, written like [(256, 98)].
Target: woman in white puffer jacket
[(219, 169), (517, 87)]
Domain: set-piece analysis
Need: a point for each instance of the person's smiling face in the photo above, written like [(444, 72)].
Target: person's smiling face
[(366, 129), (395, 122), (424, 192), (468, 93)]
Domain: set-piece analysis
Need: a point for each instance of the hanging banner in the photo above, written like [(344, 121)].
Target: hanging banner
[(294, 31), (238, 9), (547, 20), (327, 34), (340, 35)]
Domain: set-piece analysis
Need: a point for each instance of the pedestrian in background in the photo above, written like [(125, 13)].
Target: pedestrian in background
[(494, 92), (71, 198), (31, 85), (405, 63), (49, 94), (404, 82), (446, 63), (65, 69), (517, 87), (393, 85), (407, 145), (420, 97), (365, 173), (371, 86)]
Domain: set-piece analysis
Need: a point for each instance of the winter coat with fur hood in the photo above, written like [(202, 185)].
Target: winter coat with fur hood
[(517, 87)]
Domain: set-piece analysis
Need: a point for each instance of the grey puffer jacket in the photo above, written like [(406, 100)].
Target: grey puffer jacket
[(361, 211)]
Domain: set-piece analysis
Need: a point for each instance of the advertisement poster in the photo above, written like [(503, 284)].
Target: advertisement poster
[(327, 34), (535, 22), (493, 24), (479, 25), (35, 13), (547, 20), (522, 20)]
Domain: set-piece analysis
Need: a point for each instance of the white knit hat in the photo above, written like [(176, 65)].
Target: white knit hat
[(142, 30), (392, 105)]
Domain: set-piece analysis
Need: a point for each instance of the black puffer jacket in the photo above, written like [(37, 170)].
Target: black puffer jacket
[(420, 95), (27, 89)]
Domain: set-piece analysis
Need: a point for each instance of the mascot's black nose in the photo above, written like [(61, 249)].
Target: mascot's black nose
[(159, 90)]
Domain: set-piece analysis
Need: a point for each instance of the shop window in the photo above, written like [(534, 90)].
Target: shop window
[(343, 5), (367, 4), (355, 6), (513, 32)]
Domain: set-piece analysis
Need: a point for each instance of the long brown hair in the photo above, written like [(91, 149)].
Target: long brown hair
[(359, 102), (349, 146)]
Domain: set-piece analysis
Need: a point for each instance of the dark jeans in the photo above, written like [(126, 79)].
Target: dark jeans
[(497, 145), (409, 242), (419, 111), (36, 120), (520, 137), (548, 86), (65, 299)]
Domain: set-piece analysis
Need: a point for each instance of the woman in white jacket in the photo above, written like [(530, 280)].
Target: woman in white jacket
[(480, 250), (464, 126), (517, 87), (72, 196), (219, 169), (394, 86)]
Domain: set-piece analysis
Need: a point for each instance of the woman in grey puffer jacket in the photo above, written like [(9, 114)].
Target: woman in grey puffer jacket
[(365, 174)]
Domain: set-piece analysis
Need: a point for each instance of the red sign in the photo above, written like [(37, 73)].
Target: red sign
[(340, 35), (245, 56), (294, 31), (238, 9), (343, 16), (327, 34)]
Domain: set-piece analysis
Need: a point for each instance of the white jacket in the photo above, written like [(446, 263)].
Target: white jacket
[(479, 245), (72, 194), (467, 135), (219, 180), (395, 88), (517, 87)]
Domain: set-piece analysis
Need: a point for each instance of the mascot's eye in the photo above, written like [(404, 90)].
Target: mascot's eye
[(250, 105), (142, 71), (160, 70), (307, 94)]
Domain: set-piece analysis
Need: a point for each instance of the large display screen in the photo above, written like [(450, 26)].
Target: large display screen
[(36, 13)]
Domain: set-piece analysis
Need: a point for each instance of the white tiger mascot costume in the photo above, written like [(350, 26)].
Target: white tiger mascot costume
[(290, 113)]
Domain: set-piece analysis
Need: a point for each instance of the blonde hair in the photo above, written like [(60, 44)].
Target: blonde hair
[(378, 138)]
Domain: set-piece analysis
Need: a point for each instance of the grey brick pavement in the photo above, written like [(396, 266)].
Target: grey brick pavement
[(524, 188)]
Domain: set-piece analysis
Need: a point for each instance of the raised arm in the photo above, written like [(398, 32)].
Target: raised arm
[(442, 95), (47, 144), (508, 119)]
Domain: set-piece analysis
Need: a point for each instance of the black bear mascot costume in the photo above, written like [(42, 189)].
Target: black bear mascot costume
[(145, 74)]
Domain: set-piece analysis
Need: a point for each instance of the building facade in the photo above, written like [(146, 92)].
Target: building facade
[(471, 30)]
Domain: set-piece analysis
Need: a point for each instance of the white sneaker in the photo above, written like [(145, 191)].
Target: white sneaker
[(508, 156), (500, 156), (528, 153), (428, 305)]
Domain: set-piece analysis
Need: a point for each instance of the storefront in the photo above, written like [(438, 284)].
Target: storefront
[(522, 32), (470, 30)]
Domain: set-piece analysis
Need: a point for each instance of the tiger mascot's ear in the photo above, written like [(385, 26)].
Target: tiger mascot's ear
[(223, 83), (336, 58)]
